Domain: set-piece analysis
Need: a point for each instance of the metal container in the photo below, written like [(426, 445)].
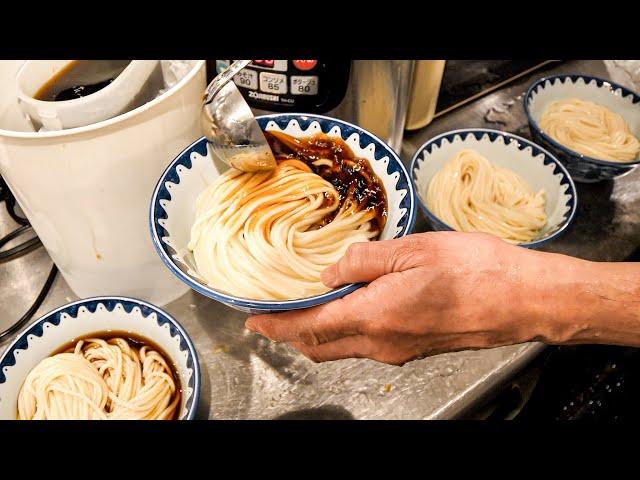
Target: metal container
[(373, 94)]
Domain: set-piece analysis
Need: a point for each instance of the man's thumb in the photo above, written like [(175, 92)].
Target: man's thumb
[(366, 261)]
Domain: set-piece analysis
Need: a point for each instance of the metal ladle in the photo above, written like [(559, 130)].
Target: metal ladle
[(230, 127)]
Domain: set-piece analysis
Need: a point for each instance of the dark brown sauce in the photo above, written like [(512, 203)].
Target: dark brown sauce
[(136, 341), (80, 78), (79, 91), (351, 176)]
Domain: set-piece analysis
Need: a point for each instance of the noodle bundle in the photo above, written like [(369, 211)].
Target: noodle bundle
[(269, 235), (472, 195), (100, 380), (590, 129)]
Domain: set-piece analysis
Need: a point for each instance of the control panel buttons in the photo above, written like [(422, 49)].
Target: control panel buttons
[(273, 65), (264, 63), (304, 85), (246, 78), (314, 86), (273, 83), (305, 65)]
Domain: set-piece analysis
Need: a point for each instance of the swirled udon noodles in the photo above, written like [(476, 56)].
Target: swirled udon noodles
[(265, 235), (470, 194), (100, 380), (590, 129)]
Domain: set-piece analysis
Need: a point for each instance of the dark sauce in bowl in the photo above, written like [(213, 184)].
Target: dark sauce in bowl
[(351, 176), (136, 342)]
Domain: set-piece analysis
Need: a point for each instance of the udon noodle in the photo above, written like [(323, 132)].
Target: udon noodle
[(470, 194), (100, 380), (590, 129), (269, 235)]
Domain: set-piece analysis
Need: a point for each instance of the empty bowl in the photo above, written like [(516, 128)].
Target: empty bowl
[(172, 210), (536, 166), (615, 97)]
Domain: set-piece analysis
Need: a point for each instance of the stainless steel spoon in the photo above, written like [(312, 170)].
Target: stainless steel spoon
[(228, 123)]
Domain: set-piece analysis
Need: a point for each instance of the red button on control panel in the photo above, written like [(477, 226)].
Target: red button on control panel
[(264, 63), (305, 64)]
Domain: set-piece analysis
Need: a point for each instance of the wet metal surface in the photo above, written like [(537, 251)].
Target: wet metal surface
[(246, 376)]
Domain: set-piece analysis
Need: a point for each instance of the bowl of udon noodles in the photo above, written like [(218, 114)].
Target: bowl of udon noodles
[(591, 125), (482, 180), (101, 358), (259, 241)]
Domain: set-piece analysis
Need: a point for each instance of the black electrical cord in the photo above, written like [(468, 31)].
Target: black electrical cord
[(34, 307), (18, 251), (25, 247), (10, 202), (4, 190)]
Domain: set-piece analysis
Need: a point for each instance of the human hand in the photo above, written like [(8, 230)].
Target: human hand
[(431, 293)]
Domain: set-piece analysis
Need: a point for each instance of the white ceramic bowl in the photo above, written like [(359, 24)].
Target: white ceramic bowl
[(172, 209), (608, 94), (92, 315), (534, 164)]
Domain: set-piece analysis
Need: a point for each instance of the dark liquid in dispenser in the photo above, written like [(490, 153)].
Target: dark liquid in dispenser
[(80, 78)]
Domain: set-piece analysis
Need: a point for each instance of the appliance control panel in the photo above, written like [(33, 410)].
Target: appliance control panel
[(308, 86)]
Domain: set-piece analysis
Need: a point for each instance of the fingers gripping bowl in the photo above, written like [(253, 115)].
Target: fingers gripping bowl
[(173, 204), (534, 165)]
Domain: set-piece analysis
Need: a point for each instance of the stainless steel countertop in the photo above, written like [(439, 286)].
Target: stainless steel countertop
[(246, 376)]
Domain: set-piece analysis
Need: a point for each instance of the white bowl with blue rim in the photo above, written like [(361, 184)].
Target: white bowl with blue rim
[(535, 165), (172, 209), (584, 87), (94, 315)]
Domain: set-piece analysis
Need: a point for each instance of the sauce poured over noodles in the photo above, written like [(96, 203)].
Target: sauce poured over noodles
[(333, 160), (269, 235)]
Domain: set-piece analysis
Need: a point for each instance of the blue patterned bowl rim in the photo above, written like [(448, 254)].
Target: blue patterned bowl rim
[(156, 211), (574, 78), (110, 302), (536, 150)]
